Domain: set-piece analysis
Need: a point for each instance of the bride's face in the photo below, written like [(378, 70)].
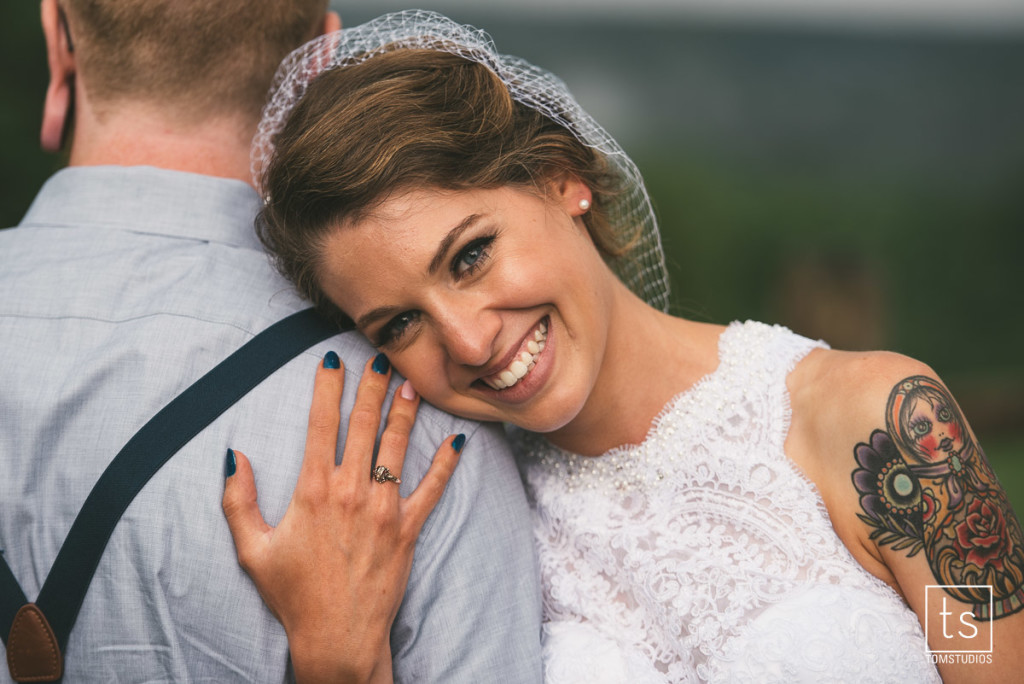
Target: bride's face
[(494, 303)]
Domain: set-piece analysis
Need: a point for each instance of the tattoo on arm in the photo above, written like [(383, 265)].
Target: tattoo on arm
[(925, 485)]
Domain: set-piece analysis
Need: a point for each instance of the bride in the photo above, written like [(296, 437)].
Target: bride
[(710, 503)]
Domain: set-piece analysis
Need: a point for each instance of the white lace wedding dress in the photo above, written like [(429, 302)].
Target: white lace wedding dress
[(703, 554)]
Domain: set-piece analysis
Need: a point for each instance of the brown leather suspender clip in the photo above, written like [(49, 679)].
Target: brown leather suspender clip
[(33, 654)]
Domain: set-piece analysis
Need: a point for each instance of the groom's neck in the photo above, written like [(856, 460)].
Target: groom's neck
[(133, 134)]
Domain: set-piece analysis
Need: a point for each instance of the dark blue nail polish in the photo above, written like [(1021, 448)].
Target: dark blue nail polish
[(381, 364), (229, 464), (459, 442), (331, 360)]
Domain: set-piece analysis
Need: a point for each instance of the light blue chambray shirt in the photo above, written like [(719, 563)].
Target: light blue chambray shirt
[(119, 289)]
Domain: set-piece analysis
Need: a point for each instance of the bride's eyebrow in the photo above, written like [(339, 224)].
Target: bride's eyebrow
[(439, 258), (374, 315), (449, 240)]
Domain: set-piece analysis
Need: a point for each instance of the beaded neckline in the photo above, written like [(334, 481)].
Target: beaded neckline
[(742, 350), (631, 466)]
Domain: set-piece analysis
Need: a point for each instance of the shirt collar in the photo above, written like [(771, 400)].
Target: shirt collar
[(145, 199)]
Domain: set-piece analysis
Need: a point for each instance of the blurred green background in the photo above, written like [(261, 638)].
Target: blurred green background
[(856, 180)]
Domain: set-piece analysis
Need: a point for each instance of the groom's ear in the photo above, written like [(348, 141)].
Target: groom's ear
[(332, 23), (60, 57)]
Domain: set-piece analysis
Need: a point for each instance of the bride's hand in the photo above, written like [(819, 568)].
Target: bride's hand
[(334, 570)]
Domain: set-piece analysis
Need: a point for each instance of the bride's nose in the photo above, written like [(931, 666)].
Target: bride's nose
[(469, 334)]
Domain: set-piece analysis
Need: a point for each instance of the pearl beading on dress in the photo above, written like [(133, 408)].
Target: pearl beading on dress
[(634, 467)]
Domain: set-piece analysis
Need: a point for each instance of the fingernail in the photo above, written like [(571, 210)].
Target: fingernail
[(381, 364), (459, 442), (407, 391), (331, 360), (229, 464)]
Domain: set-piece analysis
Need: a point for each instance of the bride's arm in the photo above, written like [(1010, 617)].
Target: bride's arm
[(911, 493), (337, 600)]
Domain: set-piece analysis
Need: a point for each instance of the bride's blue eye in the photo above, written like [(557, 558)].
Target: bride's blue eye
[(395, 328), (472, 256)]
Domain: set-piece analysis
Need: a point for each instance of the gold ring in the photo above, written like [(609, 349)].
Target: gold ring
[(382, 474)]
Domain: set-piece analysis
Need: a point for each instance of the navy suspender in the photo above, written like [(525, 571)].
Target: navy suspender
[(186, 415)]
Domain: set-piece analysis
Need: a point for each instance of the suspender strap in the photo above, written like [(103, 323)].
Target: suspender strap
[(62, 593), (11, 597)]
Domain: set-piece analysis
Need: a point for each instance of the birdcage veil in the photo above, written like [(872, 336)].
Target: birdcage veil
[(642, 264)]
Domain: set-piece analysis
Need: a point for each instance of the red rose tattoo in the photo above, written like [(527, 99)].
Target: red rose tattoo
[(981, 537)]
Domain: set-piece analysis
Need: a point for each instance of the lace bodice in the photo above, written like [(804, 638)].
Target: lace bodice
[(703, 554)]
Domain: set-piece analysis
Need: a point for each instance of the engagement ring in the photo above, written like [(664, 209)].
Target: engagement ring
[(382, 474)]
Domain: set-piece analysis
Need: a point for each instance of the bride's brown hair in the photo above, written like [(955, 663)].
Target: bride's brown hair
[(407, 119)]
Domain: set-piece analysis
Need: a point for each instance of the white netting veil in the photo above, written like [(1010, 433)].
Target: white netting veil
[(641, 267)]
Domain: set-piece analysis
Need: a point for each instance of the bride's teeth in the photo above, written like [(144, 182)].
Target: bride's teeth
[(518, 369), (522, 364)]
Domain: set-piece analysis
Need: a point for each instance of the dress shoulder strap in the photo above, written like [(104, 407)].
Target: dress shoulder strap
[(756, 359), (769, 351)]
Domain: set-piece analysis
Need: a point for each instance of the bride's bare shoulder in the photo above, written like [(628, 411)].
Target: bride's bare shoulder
[(840, 393), (838, 401)]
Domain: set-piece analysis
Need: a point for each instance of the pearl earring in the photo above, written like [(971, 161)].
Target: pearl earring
[(584, 204)]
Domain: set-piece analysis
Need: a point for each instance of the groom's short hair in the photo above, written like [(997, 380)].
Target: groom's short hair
[(197, 57)]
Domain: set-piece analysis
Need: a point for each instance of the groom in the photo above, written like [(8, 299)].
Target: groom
[(134, 272)]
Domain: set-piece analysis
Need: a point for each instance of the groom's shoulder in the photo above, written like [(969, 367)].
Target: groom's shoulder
[(486, 456), (486, 481)]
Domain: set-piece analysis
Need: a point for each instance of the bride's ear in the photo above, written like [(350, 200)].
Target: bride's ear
[(573, 195)]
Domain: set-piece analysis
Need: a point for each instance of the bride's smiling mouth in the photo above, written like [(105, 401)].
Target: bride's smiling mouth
[(522, 361)]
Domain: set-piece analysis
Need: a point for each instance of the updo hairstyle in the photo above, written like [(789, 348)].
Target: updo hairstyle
[(402, 120)]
